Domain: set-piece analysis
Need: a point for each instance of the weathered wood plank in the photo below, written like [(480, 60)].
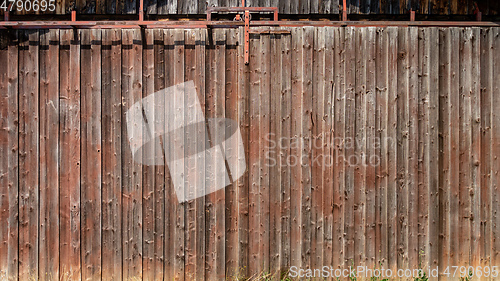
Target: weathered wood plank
[(131, 170), (231, 112), (413, 137), (295, 133), (495, 145), (370, 156), (306, 153), (445, 58), (69, 155), (339, 126), (392, 155), (284, 149), (91, 147), (349, 134), (273, 161), (358, 161), (327, 161), (465, 144), (9, 169), (316, 143), (486, 66), (29, 150), (49, 150), (111, 156), (148, 199)]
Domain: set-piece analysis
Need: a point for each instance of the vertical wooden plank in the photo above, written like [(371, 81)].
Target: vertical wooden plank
[(255, 266), (284, 6), (176, 144), (413, 137), (327, 158), (349, 134), (339, 177), (353, 6), (9, 169), (49, 150), (295, 169), (294, 7), (69, 155), (495, 145), (243, 184), (151, 7), (424, 7), (264, 123), (91, 149), (317, 138), (129, 7), (214, 108), (272, 158), (170, 197), (445, 58), (465, 144), (131, 170), (433, 154), (111, 6), (476, 161), (403, 145), (454, 113), (148, 171), (306, 134), (424, 48), (187, 7), (381, 127), (169, 6), (232, 111), (370, 157), (284, 149), (111, 155), (160, 184), (359, 141), (486, 64), (29, 154), (392, 152)]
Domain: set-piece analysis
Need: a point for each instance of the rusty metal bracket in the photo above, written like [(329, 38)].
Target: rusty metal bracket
[(246, 18), (344, 10)]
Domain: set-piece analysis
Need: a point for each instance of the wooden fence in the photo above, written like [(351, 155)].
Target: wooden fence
[(397, 130)]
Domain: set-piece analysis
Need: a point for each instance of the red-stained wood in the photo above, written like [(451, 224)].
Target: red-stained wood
[(49, 150), (348, 148), (392, 151), (232, 112), (264, 144), (465, 54), (69, 155), (285, 110), (28, 154), (370, 157), (91, 164), (9, 169), (254, 264), (148, 171), (486, 70), (403, 145), (445, 147), (160, 186), (131, 170), (495, 145), (327, 158), (295, 132), (339, 95), (316, 144), (176, 143), (413, 139), (358, 161), (111, 155), (305, 146), (215, 108), (273, 159)]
